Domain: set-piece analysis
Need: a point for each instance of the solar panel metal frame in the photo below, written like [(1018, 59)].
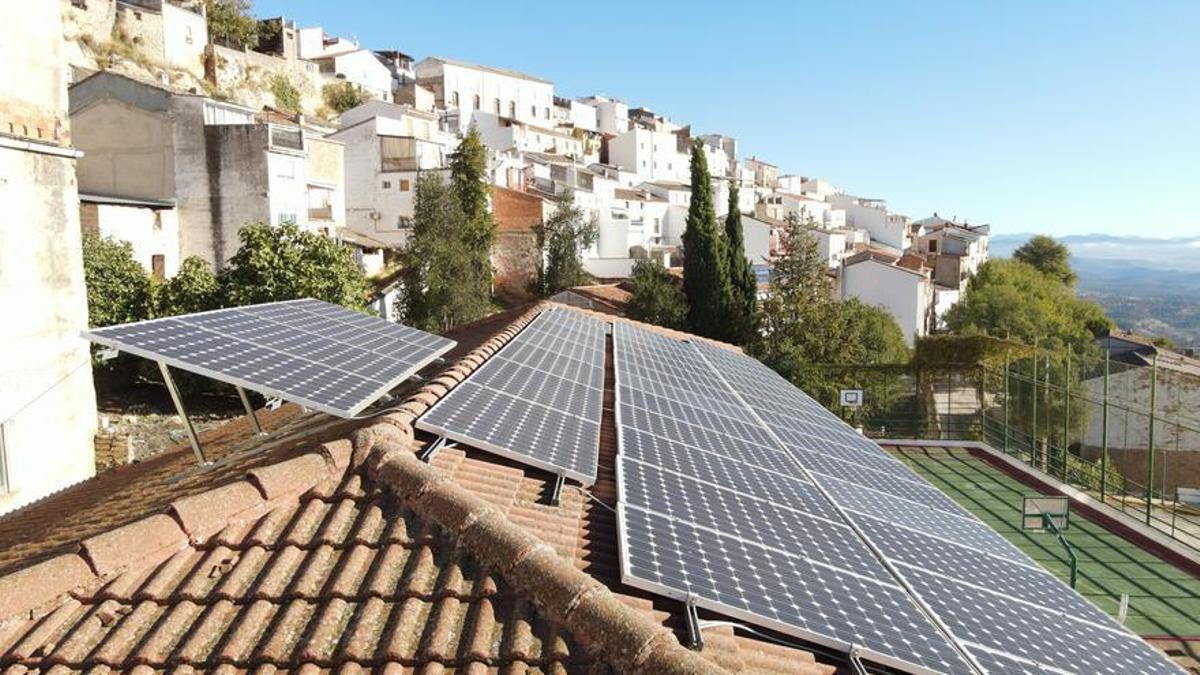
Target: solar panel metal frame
[(100, 338), (423, 424), (631, 579)]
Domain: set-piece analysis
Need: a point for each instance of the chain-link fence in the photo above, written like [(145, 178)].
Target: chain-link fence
[(1127, 431)]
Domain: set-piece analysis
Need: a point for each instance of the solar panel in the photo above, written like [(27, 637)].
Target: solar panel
[(310, 352), (997, 605), (537, 401), (713, 509)]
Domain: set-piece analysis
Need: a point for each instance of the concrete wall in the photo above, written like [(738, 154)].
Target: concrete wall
[(47, 403), (128, 151), (1177, 414), (236, 160)]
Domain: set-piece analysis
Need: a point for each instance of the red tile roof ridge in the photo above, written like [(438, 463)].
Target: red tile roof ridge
[(629, 640)]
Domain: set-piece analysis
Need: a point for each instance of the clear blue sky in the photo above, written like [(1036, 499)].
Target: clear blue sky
[(1059, 117)]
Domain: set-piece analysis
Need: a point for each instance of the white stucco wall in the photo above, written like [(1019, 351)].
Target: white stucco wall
[(149, 231), (530, 100), (902, 294)]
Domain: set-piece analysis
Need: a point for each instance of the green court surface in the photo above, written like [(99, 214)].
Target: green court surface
[(1164, 600)]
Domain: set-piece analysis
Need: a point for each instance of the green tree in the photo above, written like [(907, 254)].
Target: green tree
[(469, 178), (342, 96), (741, 273), (1049, 256), (118, 288), (287, 96), (562, 239), (1014, 300), (705, 260), (193, 289), (231, 24), (439, 290), (881, 337), (284, 262), (656, 296)]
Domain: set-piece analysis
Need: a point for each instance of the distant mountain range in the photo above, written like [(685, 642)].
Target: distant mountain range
[(1151, 286)]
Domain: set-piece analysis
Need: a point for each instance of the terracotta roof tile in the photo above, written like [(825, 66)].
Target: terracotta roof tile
[(334, 547)]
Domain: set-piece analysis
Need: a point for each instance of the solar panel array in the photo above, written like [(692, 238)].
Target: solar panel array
[(739, 491), (319, 355), (537, 401)]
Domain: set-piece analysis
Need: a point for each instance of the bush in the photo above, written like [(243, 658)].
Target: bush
[(287, 96), (342, 96), (194, 289), (284, 262), (657, 297), (118, 288), (230, 23)]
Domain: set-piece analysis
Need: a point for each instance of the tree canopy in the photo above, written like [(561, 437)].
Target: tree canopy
[(1047, 255), (741, 274), (194, 288), (706, 279), (440, 291), (118, 288), (1012, 299), (656, 296), (282, 262), (231, 24), (343, 96), (469, 178), (562, 238)]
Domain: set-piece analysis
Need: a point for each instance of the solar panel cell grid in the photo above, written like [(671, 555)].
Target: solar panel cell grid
[(320, 355)]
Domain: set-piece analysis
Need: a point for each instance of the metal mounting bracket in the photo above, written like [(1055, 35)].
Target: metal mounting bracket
[(856, 660), (556, 494), (258, 430), (187, 423), (432, 449), (695, 636)]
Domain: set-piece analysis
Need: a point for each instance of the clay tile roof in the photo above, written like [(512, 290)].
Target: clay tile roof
[(334, 546)]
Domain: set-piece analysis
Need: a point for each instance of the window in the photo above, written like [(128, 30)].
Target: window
[(387, 185), (475, 102), (533, 111), (547, 115), (404, 185), (496, 105), (403, 223), (512, 108), (454, 99), (933, 245), (158, 266)]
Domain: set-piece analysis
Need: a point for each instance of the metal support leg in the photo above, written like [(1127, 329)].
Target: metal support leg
[(695, 636), (556, 496), (258, 430), (187, 424), (428, 453)]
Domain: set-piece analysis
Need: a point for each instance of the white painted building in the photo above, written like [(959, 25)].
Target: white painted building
[(343, 59), (652, 155), (575, 113), (872, 215), (386, 146), (47, 401), (506, 134), (464, 88), (612, 115), (151, 227), (904, 293), (779, 205)]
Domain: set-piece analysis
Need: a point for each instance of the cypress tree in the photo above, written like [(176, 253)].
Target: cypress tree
[(468, 176), (741, 274), (705, 261)]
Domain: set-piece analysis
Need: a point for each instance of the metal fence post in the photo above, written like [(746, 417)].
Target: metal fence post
[(1033, 418), (1066, 440), (1007, 407), (1150, 448), (1104, 431)]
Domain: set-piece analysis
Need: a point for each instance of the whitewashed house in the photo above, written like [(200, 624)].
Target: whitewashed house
[(343, 59), (576, 114), (905, 292), (505, 133), (463, 88), (872, 215), (149, 226), (612, 115), (652, 155), (386, 146)]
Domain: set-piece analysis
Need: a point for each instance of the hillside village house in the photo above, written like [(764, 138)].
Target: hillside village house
[(463, 88), (47, 402), (386, 147), (766, 175), (612, 115), (955, 250), (221, 166), (174, 34), (652, 155), (899, 285), (342, 59), (872, 215), (150, 226), (505, 133)]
